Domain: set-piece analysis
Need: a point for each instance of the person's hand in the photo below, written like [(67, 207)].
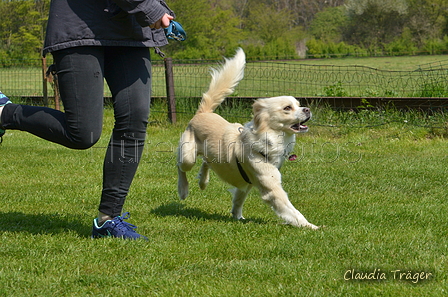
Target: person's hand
[(163, 22)]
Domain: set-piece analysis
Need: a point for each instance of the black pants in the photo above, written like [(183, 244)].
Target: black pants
[(81, 72)]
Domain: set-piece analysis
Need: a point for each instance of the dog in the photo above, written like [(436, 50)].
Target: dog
[(243, 156)]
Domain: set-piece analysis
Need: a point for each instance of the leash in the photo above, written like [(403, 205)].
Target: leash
[(175, 31)]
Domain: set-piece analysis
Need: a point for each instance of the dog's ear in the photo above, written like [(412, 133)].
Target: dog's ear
[(260, 116)]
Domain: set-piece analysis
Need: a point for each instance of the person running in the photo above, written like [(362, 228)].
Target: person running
[(91, 41)]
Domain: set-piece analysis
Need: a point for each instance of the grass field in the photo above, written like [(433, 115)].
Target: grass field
[(376, 181)]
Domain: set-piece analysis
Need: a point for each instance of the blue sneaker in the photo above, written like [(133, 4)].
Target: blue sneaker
[(116, 227), (3, 101)]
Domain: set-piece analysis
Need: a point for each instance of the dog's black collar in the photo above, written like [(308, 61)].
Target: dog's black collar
[(242, 172)]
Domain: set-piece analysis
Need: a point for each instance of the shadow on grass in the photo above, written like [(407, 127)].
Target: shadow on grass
[(177, 209), (42, 223)]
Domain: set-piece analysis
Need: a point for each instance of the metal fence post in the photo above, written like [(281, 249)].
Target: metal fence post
[(169, 78)]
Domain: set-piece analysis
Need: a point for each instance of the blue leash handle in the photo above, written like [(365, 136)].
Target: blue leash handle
[(175, 31)]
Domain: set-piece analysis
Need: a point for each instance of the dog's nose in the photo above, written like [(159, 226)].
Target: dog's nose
[(307, 111)]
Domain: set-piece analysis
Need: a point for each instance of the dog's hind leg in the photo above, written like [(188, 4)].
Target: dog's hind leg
[(182, 184), (186, 158), (187, 150), (204, 175), (239, 196)]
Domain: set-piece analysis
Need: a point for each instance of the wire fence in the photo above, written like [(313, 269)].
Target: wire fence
[(339, 86), (266, 79)]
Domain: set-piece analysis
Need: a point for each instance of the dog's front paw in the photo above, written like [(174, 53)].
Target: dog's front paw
[(314, 227), (303, 225), (237, 215)]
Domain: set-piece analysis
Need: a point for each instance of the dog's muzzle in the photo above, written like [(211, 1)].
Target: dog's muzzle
[(300, 127)]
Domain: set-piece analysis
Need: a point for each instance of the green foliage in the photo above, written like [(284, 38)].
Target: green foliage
[(433, 88), (210, 35), (435, 46), (266, 29), (268, 41), (336, 90), (22, 26), (323, 49), (365, 104), (275, 49), (368, 92), (402, 45), (427, 19), (386, 17), (327, 25)]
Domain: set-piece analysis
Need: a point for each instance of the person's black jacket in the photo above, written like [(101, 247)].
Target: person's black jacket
[(104, 23)]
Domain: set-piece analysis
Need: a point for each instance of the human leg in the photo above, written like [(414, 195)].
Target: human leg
[(81, 83), (128, 74)]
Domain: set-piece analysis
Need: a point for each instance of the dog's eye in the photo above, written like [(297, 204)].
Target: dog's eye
[(287, 108)]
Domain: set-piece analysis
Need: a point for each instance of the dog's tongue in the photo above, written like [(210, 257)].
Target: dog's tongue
[(292, 158), (299, 127)]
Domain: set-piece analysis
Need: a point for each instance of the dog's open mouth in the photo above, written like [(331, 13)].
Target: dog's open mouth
[(300, 127)]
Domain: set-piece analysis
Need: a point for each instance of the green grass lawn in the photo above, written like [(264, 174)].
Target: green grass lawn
[(380, 191)]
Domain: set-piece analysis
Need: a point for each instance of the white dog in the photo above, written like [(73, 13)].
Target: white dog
[(243, 156)]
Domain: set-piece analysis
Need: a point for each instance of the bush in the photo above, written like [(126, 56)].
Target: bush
[(276, 49), (433, 88), (436, 46), (336, 90), (322, 49), (402, 45)]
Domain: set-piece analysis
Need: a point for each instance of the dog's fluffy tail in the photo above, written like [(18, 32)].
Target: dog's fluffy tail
[(224, 81)]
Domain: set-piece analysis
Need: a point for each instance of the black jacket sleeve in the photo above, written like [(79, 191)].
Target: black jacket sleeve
[(146, 12)]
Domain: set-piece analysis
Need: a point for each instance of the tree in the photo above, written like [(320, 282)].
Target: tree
[(373, 23), (328, 24), (427, 19), (22, 27), (265, 28), (304, 11), (272, 32), (211, 33)]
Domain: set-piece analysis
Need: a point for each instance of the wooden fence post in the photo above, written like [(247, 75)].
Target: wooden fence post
[(44, 81), (169, 79)]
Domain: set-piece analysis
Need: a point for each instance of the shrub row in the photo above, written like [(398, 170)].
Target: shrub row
[(399, 47)]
